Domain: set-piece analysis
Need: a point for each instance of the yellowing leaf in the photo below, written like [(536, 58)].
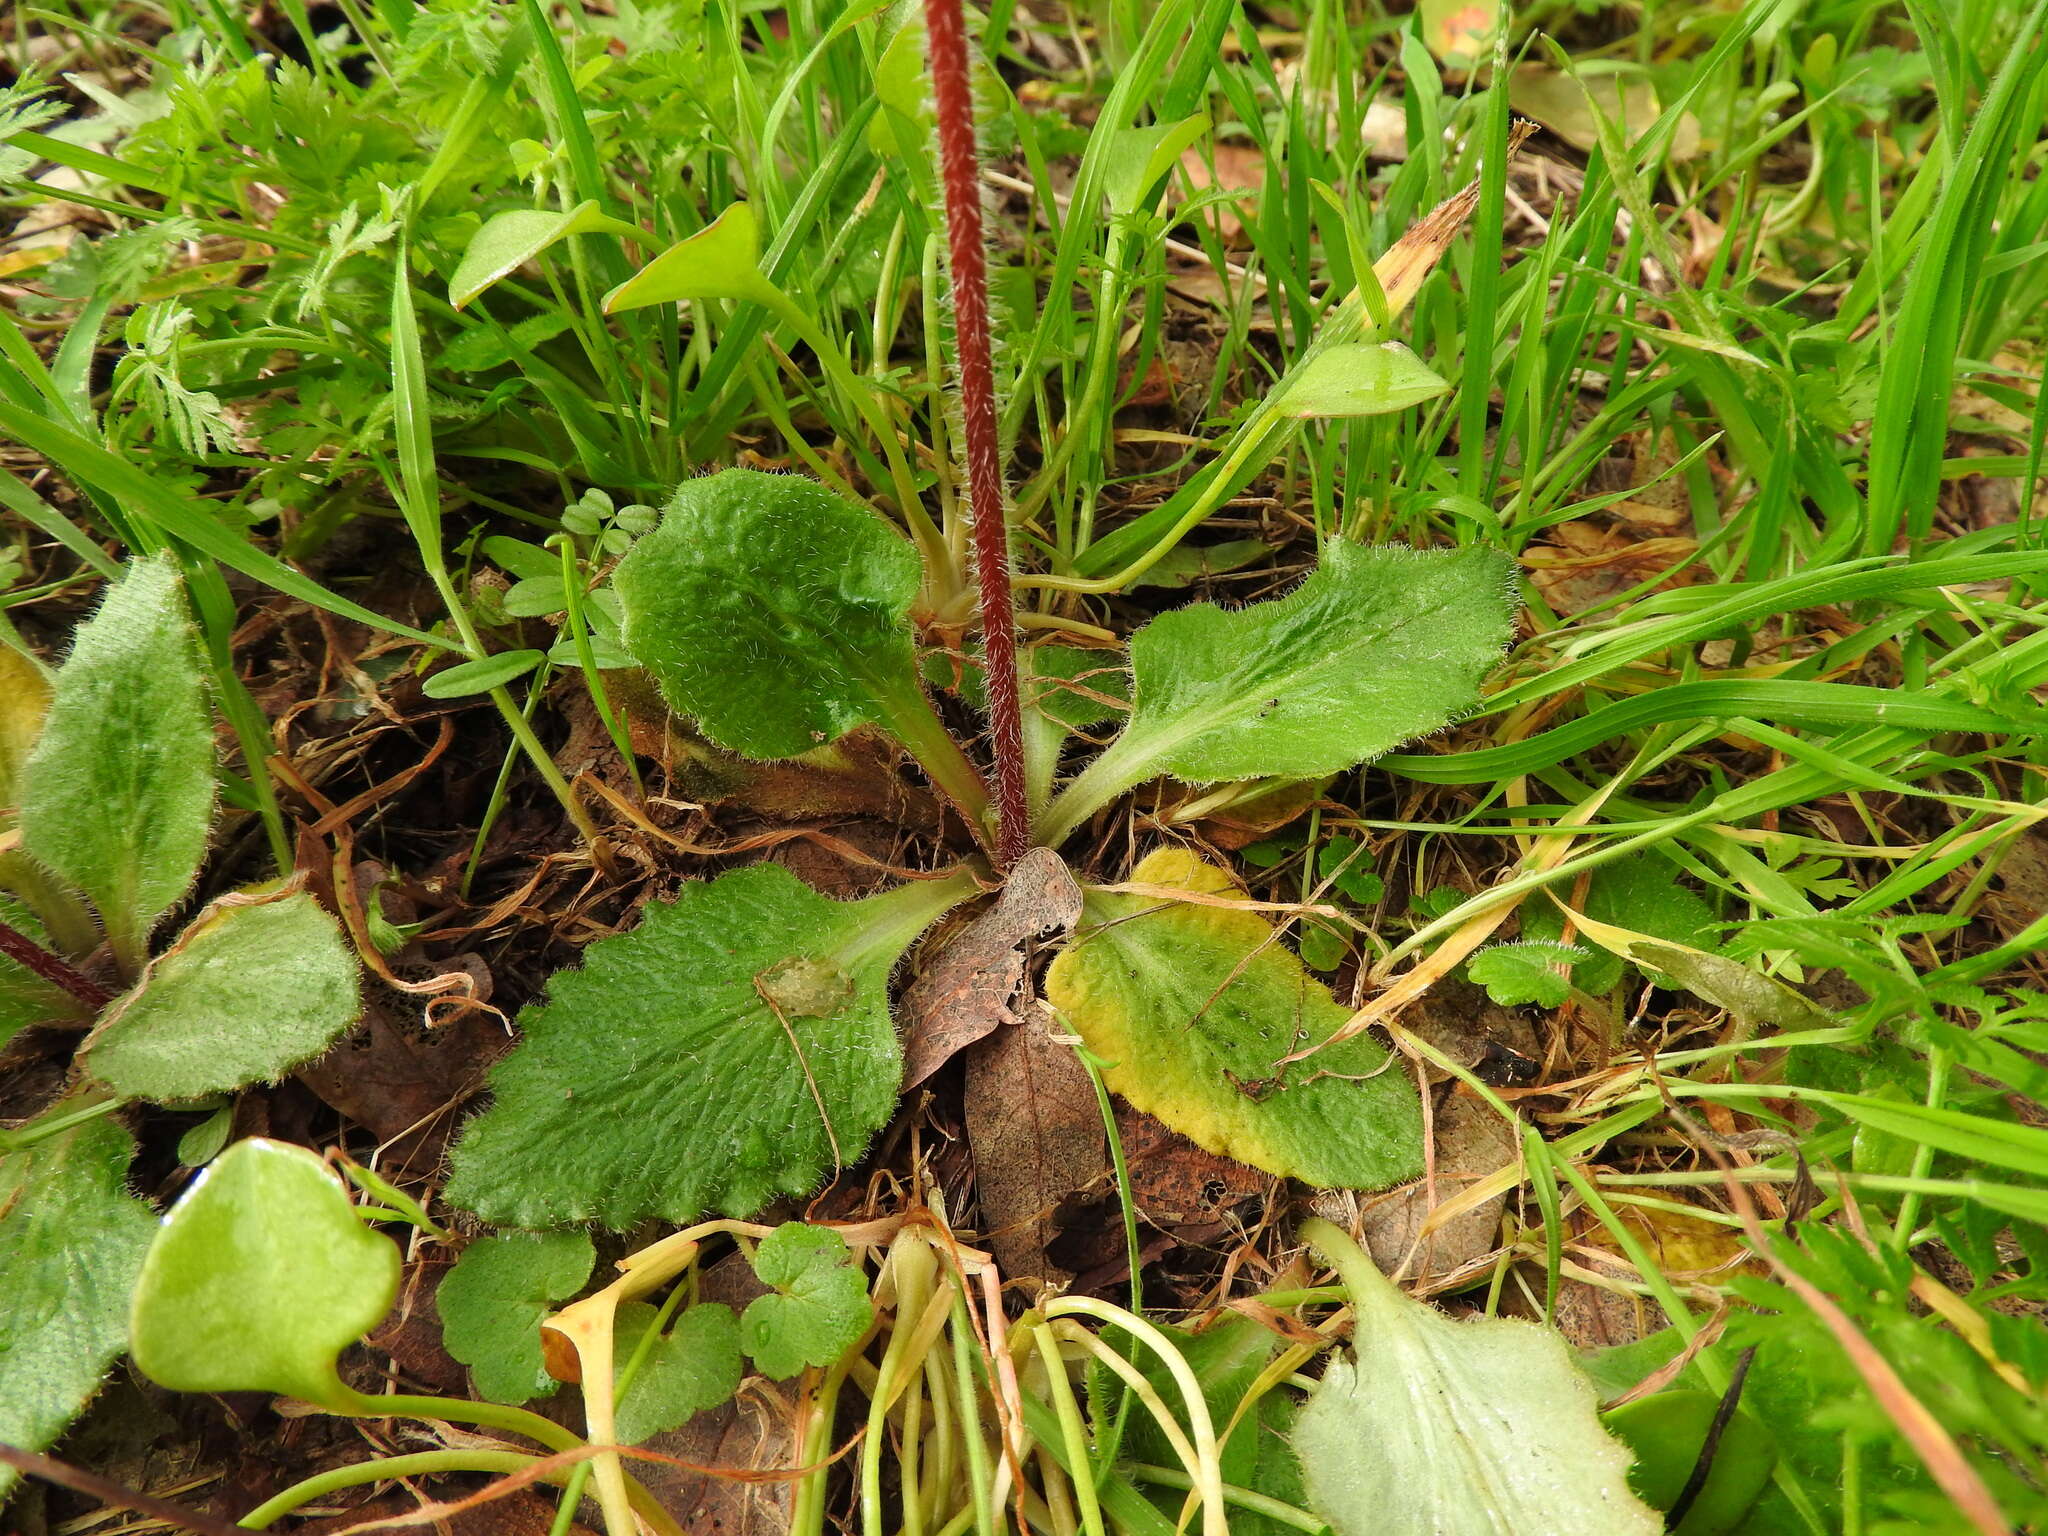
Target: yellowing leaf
[(1193, 1005)]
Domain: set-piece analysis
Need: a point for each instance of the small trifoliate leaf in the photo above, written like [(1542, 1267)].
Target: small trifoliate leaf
[(680, 1069), (1321, 944), (694, 1366), (259, 1278), (820, 1307), (252, 989), (1470, 1428), (118, 795), (773, 611), (492, 1302), (1537, 973), (1377, 646), (71, 1242), (1193, 1006)]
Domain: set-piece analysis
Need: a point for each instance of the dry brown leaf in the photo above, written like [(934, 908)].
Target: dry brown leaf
[(1036, 1130), (970, 987), (1472, 1143), (1173, 1181)]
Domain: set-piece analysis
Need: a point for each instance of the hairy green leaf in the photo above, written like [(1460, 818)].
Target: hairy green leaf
[(1642, 893), (820, 1306), (71, 1242), (1379, 645), (492, 1302), (773, 611), (259, 1277), (1194, 1005), (1473, 1428), (694, 1366), (1535, 972), (733, 1047), (253, 988), (118, 795)]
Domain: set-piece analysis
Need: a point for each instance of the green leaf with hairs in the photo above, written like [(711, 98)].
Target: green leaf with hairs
[(1378, 646), (734, 1047), (71, 1242), (1466, 1428), (117, 797), (252, 988), (1193, 1006), (774, 612)]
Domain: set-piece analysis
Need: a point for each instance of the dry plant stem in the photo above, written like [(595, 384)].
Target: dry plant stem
[(946, 33), (25, 951)]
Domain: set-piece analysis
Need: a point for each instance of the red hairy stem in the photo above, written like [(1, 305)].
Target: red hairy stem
[(23, 950), (946, 34)]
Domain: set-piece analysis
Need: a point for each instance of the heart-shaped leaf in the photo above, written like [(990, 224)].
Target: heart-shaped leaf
[(774, 612), (720, 261), (1194, 1005), (71, 1242), (819, 1308), (1479, 1426), (731, 1048), (259, 1278), (1378, 646), (509, 241), (253, 988), (492, 1301), (118, 795)]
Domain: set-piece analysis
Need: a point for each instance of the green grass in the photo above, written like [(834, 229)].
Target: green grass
[(1770, 350)]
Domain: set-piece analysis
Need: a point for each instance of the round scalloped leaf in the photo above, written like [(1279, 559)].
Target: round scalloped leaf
[(491, 1304), (819, 1308), (730, 1049), (259, 1277), (1193, 1006), (694, 1366)]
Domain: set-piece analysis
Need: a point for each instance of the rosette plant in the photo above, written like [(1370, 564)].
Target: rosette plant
[(737, 1044)]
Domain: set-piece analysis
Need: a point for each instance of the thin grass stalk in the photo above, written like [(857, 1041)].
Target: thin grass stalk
[(946, 32)]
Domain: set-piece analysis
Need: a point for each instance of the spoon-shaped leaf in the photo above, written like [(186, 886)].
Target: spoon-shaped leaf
[(259, 1277), (1359, 378), (1193, 1005), (118, 795), (720, 261), (251, 989), (1474, 1428), (1379, 645)]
